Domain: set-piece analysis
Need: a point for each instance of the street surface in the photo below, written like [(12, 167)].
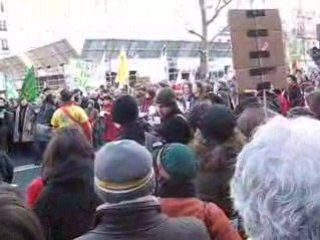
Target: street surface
[(25, 171)]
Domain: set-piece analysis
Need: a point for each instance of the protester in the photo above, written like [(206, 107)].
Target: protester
[(125, 112), (125, 181), (148, 100), (247, 100), (47, 110), (69, 114), (67, 202), (284, 104), (78, 98), (313, 103), (198, 113), (188, 97), (6, 124), (217, 148), (17, 222), (177, 167), (199, 91), (110, 129), (25, 129), (93, 115), (92, 112), (253, 117), (294, 92), (174, 126), (275, 185), (300, 112), (6, 168), (44, 131)]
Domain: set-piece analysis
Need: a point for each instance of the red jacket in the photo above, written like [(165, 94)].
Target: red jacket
[(284, 104), (111, 130), (218, 225), (33, 191)]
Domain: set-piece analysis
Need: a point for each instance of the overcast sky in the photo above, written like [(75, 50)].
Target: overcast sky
[(36, 22)]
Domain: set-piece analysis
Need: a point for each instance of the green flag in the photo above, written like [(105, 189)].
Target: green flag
[(11, 91), (30, 88)]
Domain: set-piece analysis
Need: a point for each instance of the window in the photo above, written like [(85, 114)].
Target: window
[(3, 25), (4, 45)]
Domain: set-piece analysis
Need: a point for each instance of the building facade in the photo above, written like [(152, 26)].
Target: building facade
[(4, 44)]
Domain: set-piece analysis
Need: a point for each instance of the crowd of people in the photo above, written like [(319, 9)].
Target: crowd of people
[(171, 161)]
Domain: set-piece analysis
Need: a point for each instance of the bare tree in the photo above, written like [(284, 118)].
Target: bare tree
[(206, 21)]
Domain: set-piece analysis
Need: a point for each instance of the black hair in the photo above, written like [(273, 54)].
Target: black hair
[(277, 91), (46, 90), (50, 99), (125, 110), (197, 114), (293, 78), (66, 95)]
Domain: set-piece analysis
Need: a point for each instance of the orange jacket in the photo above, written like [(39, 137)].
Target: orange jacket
[(218, 225)]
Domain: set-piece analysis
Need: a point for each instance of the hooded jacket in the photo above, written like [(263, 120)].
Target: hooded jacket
[(217, 165), (67, 202)]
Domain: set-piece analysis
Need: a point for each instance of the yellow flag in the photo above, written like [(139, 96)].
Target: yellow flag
[(123, 71)]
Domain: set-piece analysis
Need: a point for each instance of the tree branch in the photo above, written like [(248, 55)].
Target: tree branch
[(219, 8), (218, 34), (196, 34)]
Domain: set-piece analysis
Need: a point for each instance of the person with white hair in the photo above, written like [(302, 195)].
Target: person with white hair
[(276, 185)]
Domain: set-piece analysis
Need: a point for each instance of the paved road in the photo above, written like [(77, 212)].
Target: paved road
[(25, 170)]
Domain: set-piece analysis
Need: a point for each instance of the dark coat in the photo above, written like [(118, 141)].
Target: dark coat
[(143, 221), (217, 166), (134, 131), (6, 168), (67, 203), (6, 130), (175, 129), (295, 96), (45, 114)]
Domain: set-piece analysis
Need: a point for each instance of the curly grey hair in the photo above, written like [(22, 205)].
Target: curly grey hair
[(276, 186)]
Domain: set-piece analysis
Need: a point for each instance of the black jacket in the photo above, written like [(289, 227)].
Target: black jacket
[(295, 96), (134, 131), (175, 129), (6, 168), (143, 221), (67, 203)]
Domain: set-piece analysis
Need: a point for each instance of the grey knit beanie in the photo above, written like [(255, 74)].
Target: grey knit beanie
[(123, 172)]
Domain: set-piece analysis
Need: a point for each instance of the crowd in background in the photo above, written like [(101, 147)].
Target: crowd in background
[(168, 161)]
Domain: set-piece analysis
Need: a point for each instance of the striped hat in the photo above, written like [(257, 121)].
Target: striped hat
[(123, 171)]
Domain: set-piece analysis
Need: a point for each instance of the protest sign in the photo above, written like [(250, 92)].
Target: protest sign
[(258, 48)]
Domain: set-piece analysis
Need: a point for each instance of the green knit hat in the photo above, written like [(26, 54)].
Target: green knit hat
[(166, 96), (179, 161)]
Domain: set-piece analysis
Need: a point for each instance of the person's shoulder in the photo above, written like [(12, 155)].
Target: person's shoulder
[(213, 211), (76, 107), (90, 236), (190, 227), (57, 111)]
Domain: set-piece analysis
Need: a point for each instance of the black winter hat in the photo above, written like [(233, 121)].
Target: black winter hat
[(166, 97), (125, 110), (219, 123)]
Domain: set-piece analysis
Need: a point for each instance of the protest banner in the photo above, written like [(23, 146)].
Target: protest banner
[(258, 48), (80, 73)]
